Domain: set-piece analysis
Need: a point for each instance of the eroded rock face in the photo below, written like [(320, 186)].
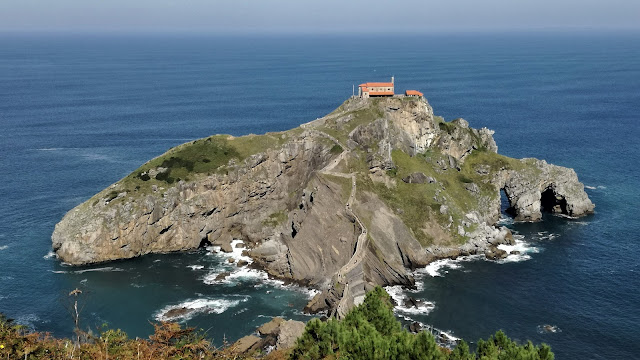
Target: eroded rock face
[(212, 210), (555, 187), (302, 220)]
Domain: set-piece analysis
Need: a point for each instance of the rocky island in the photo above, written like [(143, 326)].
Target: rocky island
[(355, 199)]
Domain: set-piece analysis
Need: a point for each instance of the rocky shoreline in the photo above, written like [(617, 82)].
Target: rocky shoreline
[(352, 200)]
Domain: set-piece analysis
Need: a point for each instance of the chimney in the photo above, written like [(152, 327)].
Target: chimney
[(392, 78)]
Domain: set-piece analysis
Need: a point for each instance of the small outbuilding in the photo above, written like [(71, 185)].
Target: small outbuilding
[(414, 93)]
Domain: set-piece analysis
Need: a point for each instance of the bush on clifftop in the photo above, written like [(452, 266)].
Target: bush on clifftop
[(371, 331)]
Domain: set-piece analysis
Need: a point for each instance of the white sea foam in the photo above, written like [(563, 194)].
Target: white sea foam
[(601, 187), (590, 187), (29, 320), (397, 293), (102, 269), (196, 267), (50, 255), (198, 306), (4, 247), (580, 223), (545, 235), (240, 311), (439, 267), (522, 247), (237, 247), (505, 220), (434, 268), (565, 216), (548, 329), (245, 273)]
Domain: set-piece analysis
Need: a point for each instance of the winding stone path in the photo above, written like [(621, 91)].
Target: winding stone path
[(351, 275)]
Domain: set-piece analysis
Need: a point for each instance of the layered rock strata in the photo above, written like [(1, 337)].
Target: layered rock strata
[(355, 199)]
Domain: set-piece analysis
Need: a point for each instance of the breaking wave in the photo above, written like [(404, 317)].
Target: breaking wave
[(439, 267), (230, 273), (419, 308), (190, 308), (520, 251), (4, 247)]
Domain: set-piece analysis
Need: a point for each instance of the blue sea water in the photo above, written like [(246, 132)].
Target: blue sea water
[(77, 113)]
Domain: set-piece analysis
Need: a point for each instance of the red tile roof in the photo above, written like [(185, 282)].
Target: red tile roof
[(377, 84), (413, 92)]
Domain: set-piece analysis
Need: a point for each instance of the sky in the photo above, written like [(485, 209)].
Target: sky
[(317, 16)]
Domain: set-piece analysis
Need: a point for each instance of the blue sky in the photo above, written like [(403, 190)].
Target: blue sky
[(319, 16)]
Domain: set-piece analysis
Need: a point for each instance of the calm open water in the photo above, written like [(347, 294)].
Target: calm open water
[(77, 113)]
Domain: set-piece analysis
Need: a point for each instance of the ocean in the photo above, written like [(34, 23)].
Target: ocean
[(79, 112)]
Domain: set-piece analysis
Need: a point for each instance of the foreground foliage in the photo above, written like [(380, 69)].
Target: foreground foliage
[(371, 331), (169, 341)]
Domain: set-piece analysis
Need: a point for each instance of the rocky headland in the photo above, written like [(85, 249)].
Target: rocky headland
[(346, 202)]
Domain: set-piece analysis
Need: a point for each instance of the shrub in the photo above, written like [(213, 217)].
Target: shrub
[(371, 331)]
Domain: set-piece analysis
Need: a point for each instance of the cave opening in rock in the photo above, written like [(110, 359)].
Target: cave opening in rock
[(505, 205), (294, 231), (204, 243), (553, 203)]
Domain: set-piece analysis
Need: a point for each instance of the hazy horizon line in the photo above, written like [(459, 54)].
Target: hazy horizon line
[(311, 32)]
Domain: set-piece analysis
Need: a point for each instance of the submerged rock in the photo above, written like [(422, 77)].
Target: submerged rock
[(176, 313)]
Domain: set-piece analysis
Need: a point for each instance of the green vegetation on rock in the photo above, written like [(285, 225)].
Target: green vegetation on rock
[(275, 219), (371, 331), (356, 118), (196, 158)]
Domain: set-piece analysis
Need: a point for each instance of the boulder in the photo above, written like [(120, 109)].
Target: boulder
[(272, 327), (411, 302), (177, 312), (472, 188), (415, 327), (222, 276), (290, 331), (246, 344), (317, 304), (418, 178), (494, 253)]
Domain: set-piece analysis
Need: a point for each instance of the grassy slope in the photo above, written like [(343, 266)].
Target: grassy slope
[(193, 160), (417, 204)]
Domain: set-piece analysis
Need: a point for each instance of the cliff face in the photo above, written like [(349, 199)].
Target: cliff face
[(346, 202)]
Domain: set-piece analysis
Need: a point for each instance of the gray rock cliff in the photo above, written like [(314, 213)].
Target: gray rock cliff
[(355, 199)]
